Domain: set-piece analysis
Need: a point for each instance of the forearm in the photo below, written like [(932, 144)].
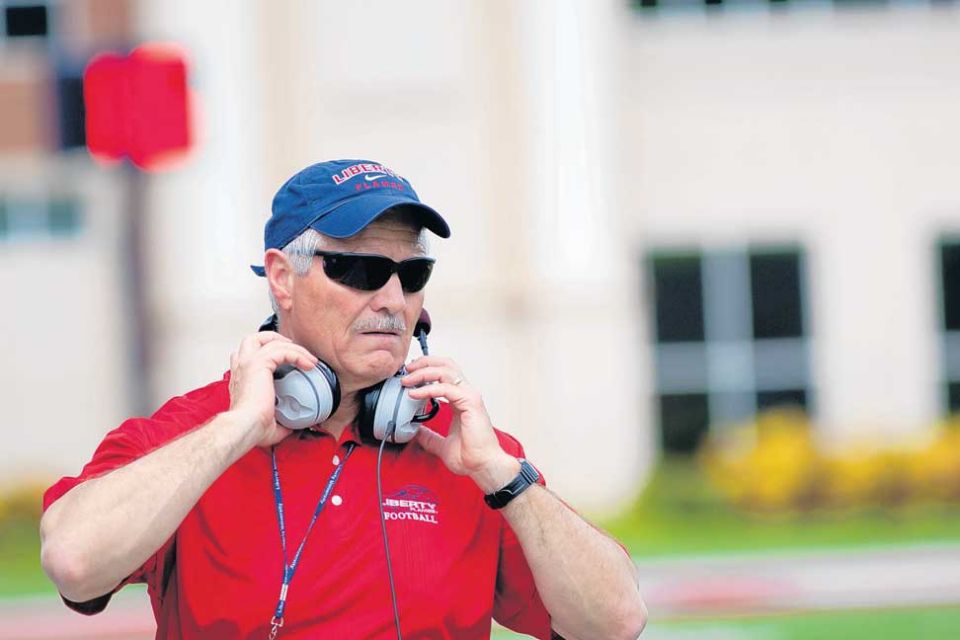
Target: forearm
[(586, 581), (101, 531)]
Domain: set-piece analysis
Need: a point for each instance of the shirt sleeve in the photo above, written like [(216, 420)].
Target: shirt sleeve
[(120, 447), (517, 604), (130, 441)]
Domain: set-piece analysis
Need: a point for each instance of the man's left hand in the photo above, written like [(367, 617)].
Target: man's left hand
[(471, 447), (586, 581)]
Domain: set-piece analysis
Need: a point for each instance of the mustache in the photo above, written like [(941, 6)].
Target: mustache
[(382, 323)]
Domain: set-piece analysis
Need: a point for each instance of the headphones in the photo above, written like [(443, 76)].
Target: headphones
[(386, 410)]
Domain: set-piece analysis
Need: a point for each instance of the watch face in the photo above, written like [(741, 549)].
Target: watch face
[(528, 475), (528, 472)]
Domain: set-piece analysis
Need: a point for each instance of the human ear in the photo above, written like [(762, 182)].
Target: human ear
[(280, 276)]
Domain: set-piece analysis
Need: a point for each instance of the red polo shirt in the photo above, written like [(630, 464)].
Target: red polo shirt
[(456, 562)]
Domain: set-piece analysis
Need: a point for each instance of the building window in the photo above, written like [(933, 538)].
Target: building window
[(26, 20), (71, 112), (775, 295), (780, 398), (950, 321), (680, 5), (24, 220), (679, 293), (683, 419), (950, 284), (63, 218), (730, 338), (953, 397)]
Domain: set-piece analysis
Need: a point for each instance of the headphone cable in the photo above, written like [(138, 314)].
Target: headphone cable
[(383, 527)]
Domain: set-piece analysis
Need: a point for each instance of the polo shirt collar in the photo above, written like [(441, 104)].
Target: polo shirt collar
[(350, 434)]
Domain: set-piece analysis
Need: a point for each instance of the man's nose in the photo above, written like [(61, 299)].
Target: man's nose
[(390, 296)]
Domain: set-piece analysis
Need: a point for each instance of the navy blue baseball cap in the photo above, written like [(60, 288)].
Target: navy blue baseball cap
[(339, 198)]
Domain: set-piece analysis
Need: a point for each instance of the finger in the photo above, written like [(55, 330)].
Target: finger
[(432, 361), (297, 355), (430, 440), (432, 374), (459, 396), (233, 361), (277, 353), (251, 348), (253, 342)]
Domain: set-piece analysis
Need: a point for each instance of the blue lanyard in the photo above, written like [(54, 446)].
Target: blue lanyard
[(289, 568)]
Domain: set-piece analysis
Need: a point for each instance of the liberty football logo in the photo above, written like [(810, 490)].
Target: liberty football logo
[(412, 502)]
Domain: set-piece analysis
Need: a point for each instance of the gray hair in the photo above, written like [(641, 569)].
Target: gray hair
[(300, 251)]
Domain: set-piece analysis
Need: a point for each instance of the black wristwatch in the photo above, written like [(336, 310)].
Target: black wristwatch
[(502, 497)]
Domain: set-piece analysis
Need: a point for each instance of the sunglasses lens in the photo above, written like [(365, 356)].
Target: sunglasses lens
[(369, 273), (366, 273), (336, 266), (414, 274)]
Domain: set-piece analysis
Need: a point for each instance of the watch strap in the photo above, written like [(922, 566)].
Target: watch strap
[(501, 497)]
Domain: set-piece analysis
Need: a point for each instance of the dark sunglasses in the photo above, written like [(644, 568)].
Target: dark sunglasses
[(369, 272)]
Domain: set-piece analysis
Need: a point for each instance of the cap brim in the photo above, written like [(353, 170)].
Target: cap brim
[(354, 215), (351, 217)]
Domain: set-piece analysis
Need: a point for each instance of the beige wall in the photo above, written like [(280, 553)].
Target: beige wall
[(559, 138), (833, 128), (64, 376), (459, 101)]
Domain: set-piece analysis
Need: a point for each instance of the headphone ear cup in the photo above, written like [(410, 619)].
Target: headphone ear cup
[(389, 413), (305, 398), (369, 398)]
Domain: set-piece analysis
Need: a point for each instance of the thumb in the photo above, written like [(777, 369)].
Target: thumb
[(430, 440), (276, 436)]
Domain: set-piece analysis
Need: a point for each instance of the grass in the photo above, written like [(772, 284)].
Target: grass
[(20, 557), (880, 624), (679, 513), (932, 623)]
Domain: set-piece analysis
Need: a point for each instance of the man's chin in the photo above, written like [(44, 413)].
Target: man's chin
[(378, 371)]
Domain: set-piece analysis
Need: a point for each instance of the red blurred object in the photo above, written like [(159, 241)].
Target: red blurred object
[(137, 106)]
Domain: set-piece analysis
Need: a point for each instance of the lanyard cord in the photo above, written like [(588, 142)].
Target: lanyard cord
[(289, 568)]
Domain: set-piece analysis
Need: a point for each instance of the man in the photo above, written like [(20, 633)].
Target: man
[(243, 528)]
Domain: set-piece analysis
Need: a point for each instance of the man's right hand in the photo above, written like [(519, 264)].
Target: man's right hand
[(252, 394), (103, 529)]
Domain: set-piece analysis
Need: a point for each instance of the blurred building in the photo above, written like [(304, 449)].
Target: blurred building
[(795, 189), (64, 374), (666, 215)]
